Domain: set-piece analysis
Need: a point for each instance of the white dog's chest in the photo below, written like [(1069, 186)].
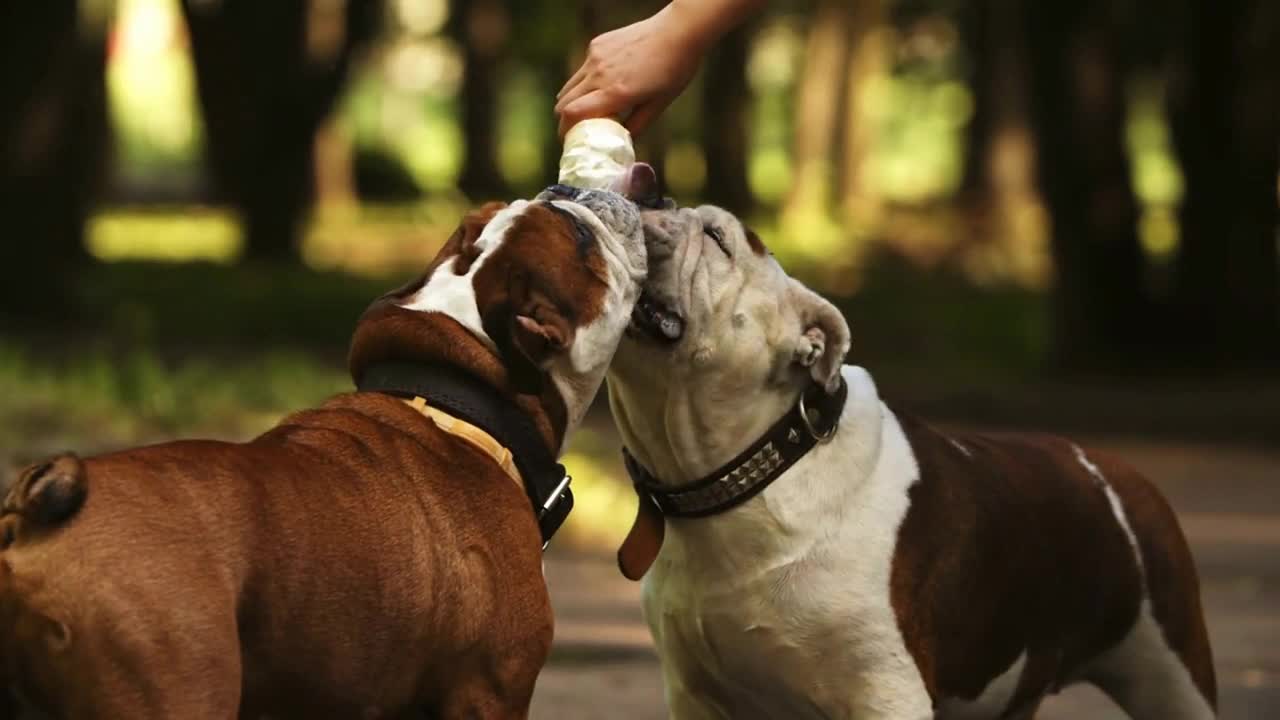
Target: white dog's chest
[(781, 608), (796, 652)]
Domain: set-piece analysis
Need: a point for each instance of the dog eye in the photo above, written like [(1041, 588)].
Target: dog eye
[(718, 236)]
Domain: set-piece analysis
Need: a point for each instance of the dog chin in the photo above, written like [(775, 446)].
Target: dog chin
[(655, 320)]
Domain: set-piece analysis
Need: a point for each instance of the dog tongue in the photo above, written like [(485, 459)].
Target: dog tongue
[(657, 319), (671, 326), (639, 184)]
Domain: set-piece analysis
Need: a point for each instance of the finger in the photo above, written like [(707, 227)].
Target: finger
[(567, 122), (597, 103), (572, 82), (643, 116), (588, 84)]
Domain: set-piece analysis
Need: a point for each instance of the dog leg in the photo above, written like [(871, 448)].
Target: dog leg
[(684, 703), (1163, 669), (1147, 678), (480, 698), (684, 706), (498, 684)]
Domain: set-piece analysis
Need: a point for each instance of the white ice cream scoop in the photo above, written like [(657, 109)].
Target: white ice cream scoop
[(597, 152)]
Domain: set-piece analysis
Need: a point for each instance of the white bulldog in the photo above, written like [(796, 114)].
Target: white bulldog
[(882, 569)]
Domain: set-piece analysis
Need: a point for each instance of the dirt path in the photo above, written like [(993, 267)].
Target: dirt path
[(1229, 501)]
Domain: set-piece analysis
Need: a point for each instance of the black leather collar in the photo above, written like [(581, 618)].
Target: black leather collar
[(465, 396), (811, 421)]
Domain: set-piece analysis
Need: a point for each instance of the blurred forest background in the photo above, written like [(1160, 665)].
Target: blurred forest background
[(1045, 212)]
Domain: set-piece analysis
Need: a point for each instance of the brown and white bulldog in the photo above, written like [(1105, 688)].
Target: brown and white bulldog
[(825, 557), (374, 557)]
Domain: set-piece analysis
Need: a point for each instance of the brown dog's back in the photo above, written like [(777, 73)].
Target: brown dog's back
[(1025, 531), (354, 560)]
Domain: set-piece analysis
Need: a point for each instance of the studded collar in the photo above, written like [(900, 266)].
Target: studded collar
[(812, 420)]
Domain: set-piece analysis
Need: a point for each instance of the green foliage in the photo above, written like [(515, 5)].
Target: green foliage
[(158, 131), (525, 120), (202, 305), (908, 321), (97, 398), (920, 121)]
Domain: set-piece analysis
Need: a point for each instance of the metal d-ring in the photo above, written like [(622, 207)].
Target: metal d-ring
[(808, 424)]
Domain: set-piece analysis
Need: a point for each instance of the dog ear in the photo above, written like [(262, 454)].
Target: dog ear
[(539, 333), (539, 328), (460, 247), (529, 330), (824, 336), (462, 243)]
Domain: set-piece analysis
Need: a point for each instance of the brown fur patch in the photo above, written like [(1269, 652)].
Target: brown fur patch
[(753, 240), (1007, 548)]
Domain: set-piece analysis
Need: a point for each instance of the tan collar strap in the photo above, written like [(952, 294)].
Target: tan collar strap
[(482, 440)]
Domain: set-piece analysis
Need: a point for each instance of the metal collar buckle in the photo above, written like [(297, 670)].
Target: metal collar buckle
[(552, 500), (813, 431)]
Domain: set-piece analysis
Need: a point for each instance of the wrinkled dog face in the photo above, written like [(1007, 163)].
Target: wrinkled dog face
[(547, 283), (610, 222), (718, 305)]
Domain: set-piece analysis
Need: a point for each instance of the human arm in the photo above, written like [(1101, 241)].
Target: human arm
[(639, 69)]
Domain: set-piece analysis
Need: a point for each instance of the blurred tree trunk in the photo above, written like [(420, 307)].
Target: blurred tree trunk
[(818, 105), (553, 49), (1078, 109), (481, 28), (335, 180), (866, 52), (1225, 115), (978, 29), (53, 143), (268, 75), (997, 188), (726, 102)]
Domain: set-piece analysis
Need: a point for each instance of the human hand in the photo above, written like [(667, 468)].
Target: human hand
[(634, 72)]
